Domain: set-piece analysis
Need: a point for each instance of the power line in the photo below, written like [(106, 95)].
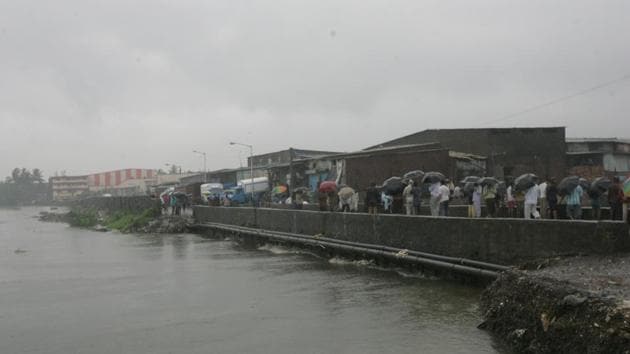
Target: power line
[(558, 100)]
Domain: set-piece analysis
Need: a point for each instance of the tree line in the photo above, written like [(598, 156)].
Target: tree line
[(23, 187), (25, 176)]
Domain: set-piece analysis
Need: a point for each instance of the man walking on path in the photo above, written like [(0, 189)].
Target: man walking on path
[(615, 199), (531, 201), (574, 203)]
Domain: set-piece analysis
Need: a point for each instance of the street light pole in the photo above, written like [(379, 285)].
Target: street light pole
[(204, 163), (251, 165)]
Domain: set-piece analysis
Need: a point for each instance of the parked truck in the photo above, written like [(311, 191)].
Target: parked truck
[(242, 193)]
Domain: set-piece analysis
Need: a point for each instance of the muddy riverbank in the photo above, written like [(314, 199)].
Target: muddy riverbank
[(572, 305)]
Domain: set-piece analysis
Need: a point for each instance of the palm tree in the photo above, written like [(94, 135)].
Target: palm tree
[(37, 176)]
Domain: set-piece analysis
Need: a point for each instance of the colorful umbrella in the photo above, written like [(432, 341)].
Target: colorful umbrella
[(279, 190), (327, 186), (626, 187)]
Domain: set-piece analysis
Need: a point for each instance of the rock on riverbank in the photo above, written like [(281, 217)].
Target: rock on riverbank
[(168, 224), (576, 305)]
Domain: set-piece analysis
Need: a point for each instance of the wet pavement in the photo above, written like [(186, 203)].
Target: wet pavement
[(65, 290)]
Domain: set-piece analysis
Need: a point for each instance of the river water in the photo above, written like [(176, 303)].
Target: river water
[(65, 290)]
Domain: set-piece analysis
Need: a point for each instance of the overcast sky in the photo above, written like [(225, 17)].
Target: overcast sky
[(87, 86)]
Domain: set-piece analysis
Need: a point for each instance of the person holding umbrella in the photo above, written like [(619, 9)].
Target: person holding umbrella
[(434, 202), (574, 203), (510, 201), (408, 198), (445, 193), (489, 195), (372, 199), (417, 198), (552, 198), (531, 202), (615, 199)]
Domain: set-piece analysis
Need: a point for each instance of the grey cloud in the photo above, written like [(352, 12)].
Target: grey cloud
[(113, 84)]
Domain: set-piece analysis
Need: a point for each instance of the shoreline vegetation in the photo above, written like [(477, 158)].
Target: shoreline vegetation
[(126, 221)]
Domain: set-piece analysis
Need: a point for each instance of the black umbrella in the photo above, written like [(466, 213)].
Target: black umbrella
[(469, 188), (585, 184), (501, 188), (179, 195), (601, 183), (433, 177), (488, 181), (393, 185), (415, 176), (525, 182), (469, 179), (568, 184)]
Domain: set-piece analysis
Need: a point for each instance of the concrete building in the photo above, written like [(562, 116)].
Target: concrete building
[(509, 151), (68, 187), (593, 157), (285, 156), (127, 182), (359, 169)]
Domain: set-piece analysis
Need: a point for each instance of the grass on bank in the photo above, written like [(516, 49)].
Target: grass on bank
[(126, 220), (82, 218)]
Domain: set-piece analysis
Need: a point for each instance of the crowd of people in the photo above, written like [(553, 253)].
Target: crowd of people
[(484, 197), (540, 200)]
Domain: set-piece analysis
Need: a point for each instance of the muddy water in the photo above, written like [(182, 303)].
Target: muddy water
[(65, 290)]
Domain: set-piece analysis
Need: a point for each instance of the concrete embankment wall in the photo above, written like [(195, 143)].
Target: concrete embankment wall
[(112, 204), (503, 241)]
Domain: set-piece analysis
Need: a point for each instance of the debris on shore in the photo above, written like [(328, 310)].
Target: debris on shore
[(577, 305)]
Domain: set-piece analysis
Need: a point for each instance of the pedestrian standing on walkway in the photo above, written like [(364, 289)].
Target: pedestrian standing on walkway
[(372, 199), (173, 201), (542, 200), (531, 202), (552, 199), (510, 201), (476, 200), (489, 195), (387, 202), (574, 203), (615, 200), (594, 195), (445, 193), (434, 202), (417, 198), (408, 198), (471, 206)]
